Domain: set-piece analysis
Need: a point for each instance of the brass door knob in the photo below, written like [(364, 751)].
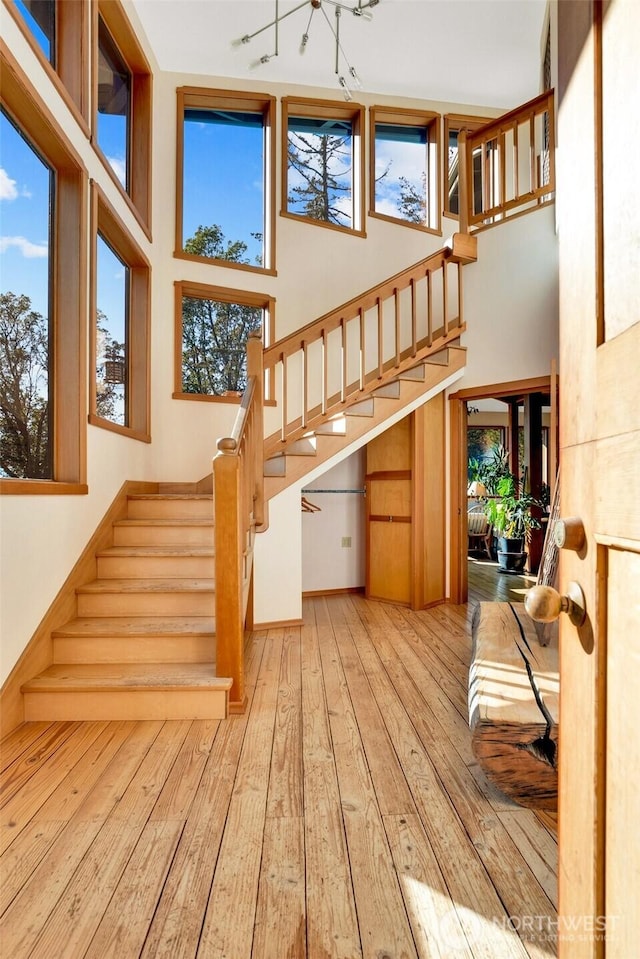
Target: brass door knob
[(544, 604)]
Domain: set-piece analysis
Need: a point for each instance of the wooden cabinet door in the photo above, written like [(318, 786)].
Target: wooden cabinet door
[(599, 245)]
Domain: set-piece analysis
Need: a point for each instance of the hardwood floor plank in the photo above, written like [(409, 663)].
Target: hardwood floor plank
[(434, 920), (280, 926), (24, 767), (176, 925), (20, 740), (124, 926), (285, 781), (537, 847), (24, 804), (23, 856), (235, 882), (181, 786), (332, 929), (382, 919)]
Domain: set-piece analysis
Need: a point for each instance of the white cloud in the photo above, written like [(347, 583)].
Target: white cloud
[(119, 167), (27, 248), (8, 188)]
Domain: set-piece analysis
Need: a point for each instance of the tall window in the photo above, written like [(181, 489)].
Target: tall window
[(26, 192), (122, 98), (43, 307), (212, 329), (323, 176), (453, 124), (404, 178), (120, 282), (225, 190), (40, 18), (114, 105)]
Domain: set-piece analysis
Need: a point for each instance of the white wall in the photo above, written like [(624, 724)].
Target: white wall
[(326, 563)]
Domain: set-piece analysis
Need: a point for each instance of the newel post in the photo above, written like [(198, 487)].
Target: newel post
[(464, 193), (255, 369), (228, 603)]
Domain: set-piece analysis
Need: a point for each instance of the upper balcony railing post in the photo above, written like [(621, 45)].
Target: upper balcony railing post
[(255, 369), (464, 193)]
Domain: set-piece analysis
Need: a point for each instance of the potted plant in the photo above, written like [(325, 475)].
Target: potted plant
[(509, 512)]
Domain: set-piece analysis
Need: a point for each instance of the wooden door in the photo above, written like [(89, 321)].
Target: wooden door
[(599, 238), (388, 479)]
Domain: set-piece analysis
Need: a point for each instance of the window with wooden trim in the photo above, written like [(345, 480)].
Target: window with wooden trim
[(213, 325), (453, 124), (404, 177), (42, 251), (225, 191), (57, 32), (122, 106), (120, 286), (323, 176)]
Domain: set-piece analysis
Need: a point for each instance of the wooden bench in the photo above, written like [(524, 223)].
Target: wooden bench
[(513, 704)]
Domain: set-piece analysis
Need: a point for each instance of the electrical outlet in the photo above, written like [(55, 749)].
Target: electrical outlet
[(346, 542)]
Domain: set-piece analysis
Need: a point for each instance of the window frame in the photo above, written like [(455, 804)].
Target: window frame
[(235, 101), (398, 116), (68, 288), (105, 221), (70, 75), (138, 193), (455, 122), (223, 294), (307, 108)]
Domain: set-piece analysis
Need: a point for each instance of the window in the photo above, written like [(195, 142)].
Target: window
[(404, 181), (120, 283), (453, 124), (225, 178), (122, 120), (212, 328), (323, 176), (57, 32), (25, 343), (42, 253)]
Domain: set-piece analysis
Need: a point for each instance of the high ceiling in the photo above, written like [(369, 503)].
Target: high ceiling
[(484, 52)]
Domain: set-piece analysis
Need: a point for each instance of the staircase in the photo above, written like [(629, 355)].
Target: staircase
[(142, 645), (299, 457)]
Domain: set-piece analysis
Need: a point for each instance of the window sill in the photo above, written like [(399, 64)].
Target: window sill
[(131, 434), (28, 487)]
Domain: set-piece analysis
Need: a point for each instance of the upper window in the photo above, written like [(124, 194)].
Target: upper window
[(122, 120), (120, 279), (225, 182), (323, 175), (43, 302), (404, 177), (58, 33), (212, 329), (26, 402), (453, 124)]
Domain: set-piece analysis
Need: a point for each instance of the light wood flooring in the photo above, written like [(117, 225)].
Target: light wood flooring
[(343, 815)]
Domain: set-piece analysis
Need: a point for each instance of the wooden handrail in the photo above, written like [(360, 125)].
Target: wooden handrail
[(239, 511), (510, 164), (332, 362)]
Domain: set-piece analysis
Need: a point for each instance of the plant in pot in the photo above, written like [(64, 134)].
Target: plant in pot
[(509, 512)]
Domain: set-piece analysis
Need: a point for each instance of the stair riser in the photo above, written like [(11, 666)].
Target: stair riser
[(125, 705), (146, 604), (139, 649), (158, 567), (170, 509), (163, 536)]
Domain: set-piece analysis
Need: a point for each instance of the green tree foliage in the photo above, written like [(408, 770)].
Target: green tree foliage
[(214, 332), (24, 390), (323, 164)]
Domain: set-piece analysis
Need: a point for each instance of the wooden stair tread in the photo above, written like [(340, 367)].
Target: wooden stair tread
[(166, 521), (132, 626), (65, 677), (170, 496), (177, 585), (156, 551)]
